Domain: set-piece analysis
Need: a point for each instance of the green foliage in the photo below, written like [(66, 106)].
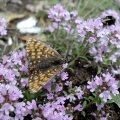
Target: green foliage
[(116, 99)]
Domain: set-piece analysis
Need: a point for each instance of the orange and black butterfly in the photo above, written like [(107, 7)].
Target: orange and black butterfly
[(44, 63)]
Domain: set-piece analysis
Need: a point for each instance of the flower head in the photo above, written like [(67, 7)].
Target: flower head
[(105, 85)]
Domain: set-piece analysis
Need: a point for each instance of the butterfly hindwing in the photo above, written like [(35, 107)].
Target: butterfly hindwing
[(40, 77)]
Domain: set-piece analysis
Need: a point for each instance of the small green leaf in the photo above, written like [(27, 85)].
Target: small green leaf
[(99, 70), (83, 113), (116, 99), (91, 98), (84, 104)]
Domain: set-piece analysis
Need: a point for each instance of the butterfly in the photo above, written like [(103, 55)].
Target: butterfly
[(44, 64)]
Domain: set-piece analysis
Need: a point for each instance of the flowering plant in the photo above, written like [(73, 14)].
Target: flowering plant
[(61, 98)]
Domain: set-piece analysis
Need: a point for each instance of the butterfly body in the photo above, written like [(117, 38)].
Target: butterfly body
[(44, 63), (49, 63)]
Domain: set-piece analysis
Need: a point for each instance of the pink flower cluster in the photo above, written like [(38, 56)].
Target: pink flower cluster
[(61, 18), (102, 41), (105, 86), (12, 102), (55, 108)]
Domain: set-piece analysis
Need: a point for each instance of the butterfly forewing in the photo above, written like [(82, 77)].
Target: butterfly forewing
[(38, 51), (39, 56)]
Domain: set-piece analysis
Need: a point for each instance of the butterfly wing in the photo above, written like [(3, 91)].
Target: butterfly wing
[(38, 51), (39, 78)]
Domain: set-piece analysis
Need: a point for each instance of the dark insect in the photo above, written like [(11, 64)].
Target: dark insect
[(44, 63), (108, 21)]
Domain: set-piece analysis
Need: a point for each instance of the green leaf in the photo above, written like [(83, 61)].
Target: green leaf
[(116, 99), (84, 104), (99, 70), (91, 98), (83, 113)]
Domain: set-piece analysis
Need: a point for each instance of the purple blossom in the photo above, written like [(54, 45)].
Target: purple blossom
[(55, 25), (98, 58), (93, 51), (79, 107), (80, 27), (103, 118), (65, 65), (24, 82), (24, 68), (107, 77), (113, 84), (68, 83), (71, 97), (105, 85), (48, 86), (79, 92), (51, 28), (64, 76), (99, 106), (58, 88), (61, 100), (89, 25), (55, 111), (92, 86), (50, 96), (58, 13), (98, 23), (91, 39), (3, 90), (2, 99), (98, 81), (105, 95), (13, 92), (7, 108), (31, 105), (20, 109), (61, 19)]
